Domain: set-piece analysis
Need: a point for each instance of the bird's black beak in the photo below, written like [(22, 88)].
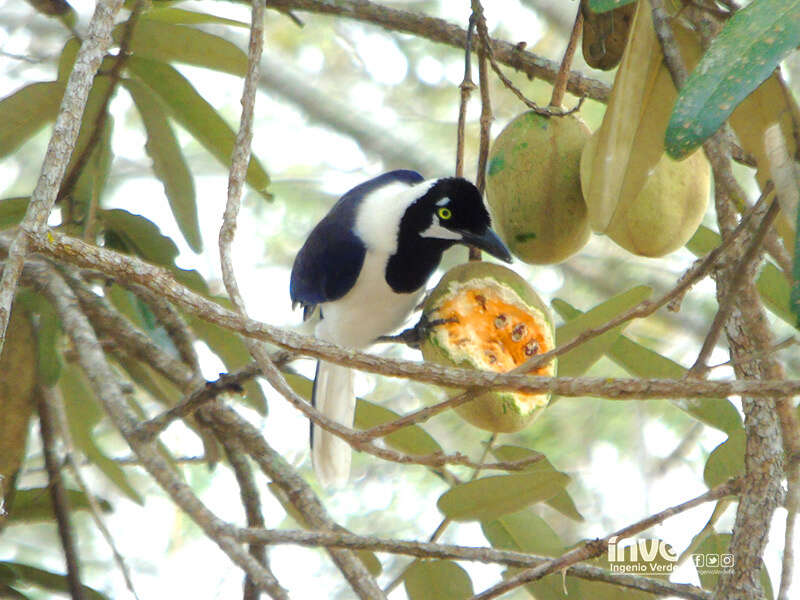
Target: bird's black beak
[(488, 241)]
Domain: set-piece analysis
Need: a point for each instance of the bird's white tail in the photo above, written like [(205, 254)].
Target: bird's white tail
[(334, 397)]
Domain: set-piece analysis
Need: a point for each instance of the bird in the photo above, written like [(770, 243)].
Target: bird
[(365, 265)]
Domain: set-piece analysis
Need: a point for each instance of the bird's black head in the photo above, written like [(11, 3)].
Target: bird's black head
[(452, 212)]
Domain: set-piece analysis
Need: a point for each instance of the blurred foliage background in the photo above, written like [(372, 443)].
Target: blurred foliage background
[(339, 101)]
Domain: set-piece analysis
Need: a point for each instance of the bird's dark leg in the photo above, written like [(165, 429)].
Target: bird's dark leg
[(413, 336)]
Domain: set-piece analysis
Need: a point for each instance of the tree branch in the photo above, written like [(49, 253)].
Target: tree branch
[(341, 539), (230, 425), (58, 496), (56, 402), (107, 389), (747, 332), (439, 30), (60, 147), (251, 501)]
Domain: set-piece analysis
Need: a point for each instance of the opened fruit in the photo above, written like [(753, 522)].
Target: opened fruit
[(491, 319), (533, 187)]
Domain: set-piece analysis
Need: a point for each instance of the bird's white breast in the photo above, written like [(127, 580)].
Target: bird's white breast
[(369, 310)]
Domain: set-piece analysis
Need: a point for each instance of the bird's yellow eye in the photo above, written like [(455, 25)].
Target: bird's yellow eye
[(444, 213)]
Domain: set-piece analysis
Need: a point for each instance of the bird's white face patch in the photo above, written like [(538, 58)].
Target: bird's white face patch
[(437, 231), (443, 202)]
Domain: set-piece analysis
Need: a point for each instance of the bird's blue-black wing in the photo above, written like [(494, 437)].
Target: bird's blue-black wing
[(330, 261)]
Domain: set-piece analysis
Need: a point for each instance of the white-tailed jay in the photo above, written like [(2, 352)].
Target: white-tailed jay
[(365, 265)]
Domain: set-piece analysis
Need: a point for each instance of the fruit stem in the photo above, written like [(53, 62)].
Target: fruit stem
[(484, 51), (466, 87), (560, 85)]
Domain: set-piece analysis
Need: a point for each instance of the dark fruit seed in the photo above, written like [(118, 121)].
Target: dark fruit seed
[(500, 321), (480, 299), (492, 358), (531, 348), (518, 332)]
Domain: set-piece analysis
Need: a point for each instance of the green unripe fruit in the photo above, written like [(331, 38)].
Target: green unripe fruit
[(533, 187), (666, 211)]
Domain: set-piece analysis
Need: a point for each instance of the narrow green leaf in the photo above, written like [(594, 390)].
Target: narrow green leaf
[(194, 113), (141, 236), (169, 164), (751, 44), (771, 283), (134, 234), (491, 497), (94, 175), (231, 349), (562, 501), (601, 6), (34, 504), (45, 579), (794, 298), (168, 42), (11, 594), (437, 580), (48, 332), (66, 59), (180, 16), (7, 575), (83, 414), (578, 361), (12, 210), (158, 387), (525, 531), (26, 111), (643, 362), (726, 460), (413, 440), (48, 358)]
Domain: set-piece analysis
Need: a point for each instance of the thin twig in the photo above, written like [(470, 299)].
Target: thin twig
[(61, 145), (686, 445), (486, 107), (227, 382), (251, 501), (58, 495), (466, 87), (487, 43), (114, 75), (788, 342), (560, 84), (599, 546), (740, 273), (792, 507)]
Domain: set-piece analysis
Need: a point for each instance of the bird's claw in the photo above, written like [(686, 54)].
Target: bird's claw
[(414, 336)]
